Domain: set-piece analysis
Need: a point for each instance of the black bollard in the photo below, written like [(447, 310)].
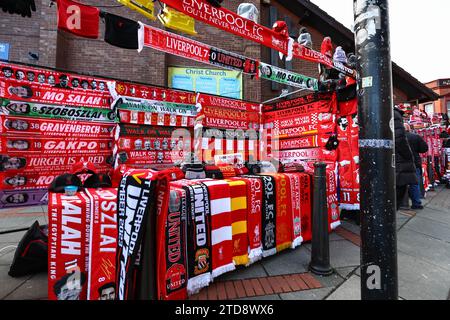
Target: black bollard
[(320, 245), (430, 172)]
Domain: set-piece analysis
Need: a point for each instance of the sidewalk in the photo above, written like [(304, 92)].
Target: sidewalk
[(423, 262)]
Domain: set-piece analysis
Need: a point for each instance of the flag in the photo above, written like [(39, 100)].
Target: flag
[(77, 18), (121, 32)]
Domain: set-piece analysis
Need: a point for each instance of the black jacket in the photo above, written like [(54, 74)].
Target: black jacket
[(404, 160), (418, 146)]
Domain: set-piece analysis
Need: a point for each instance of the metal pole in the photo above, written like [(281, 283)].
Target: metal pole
[(379, 279), (430, 172), (320, 244)]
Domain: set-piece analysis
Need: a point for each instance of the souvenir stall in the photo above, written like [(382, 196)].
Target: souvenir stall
[(176, 188)]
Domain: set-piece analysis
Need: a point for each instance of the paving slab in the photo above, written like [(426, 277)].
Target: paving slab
[(34, 288), (11, 237), (420, 280), (442, 217), (7, 251), (331, 281), (7, 283), (288, 262), (344, 254), (349, 290), (254, 271), (351, 227), (315, 294), (424, 247), (346, 271), (430, 228)]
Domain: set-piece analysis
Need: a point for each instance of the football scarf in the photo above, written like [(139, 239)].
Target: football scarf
[(135, 209), (306, 103), (306, 206), (294, 179), (177, 45), (86, 20), (199, 238), (155, 119), (37, 110), (171, 251), (55, 128), (102, 244), (268, 214), (121, 32), (254, 210), (332, 200), (33, 197), (22, 144), (348, 162), (238, 194), (68, 245), (221, 227), (283, 211), (156, 106)]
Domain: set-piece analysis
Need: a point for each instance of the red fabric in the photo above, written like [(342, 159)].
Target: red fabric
[(238, 192), (221, 232), (306, 206), (284, 212), (77, 18), (296, 208)]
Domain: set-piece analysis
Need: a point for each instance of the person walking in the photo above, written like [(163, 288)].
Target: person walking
[(418, 146), (405, 170)]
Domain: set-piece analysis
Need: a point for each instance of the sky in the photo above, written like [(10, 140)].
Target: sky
[(420, 34)]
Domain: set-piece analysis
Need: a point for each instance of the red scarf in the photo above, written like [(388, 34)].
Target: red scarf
[(221, 227), (238, 193)]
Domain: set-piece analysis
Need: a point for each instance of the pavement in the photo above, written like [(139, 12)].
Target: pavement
[(423, 262)]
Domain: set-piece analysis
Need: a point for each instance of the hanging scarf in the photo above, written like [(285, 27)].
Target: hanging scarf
[(238, 193), (283, 212), (306, 206), (171, 265), (198, 234), (221, 227), (135, 205), (268, 214), (254, 200), (296, 202)]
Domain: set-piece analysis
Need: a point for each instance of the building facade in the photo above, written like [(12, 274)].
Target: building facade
[(37, 41), (442, 105)]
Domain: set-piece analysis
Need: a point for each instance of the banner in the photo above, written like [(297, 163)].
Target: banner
[(138, 91), (26, 181), (220, 102), (68, 245), (302, 143), (37, 110), (147, 131), (38, 163), (18, 82), (190, 49), (17, 198), (55, 128), (323, 106), (151, 144), (102, 244), (311, 55), (156, 106), (231, 22), (26, 145), (297, 102), (155, 119), (286, 77), (139, 158)]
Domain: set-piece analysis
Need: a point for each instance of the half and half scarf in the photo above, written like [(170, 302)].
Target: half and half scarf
[(221, 227), (238, 193)]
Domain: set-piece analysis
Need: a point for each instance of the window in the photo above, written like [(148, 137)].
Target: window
[(429, 109)]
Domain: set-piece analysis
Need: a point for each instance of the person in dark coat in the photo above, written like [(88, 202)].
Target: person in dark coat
[(418, 146), (405, 170)]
